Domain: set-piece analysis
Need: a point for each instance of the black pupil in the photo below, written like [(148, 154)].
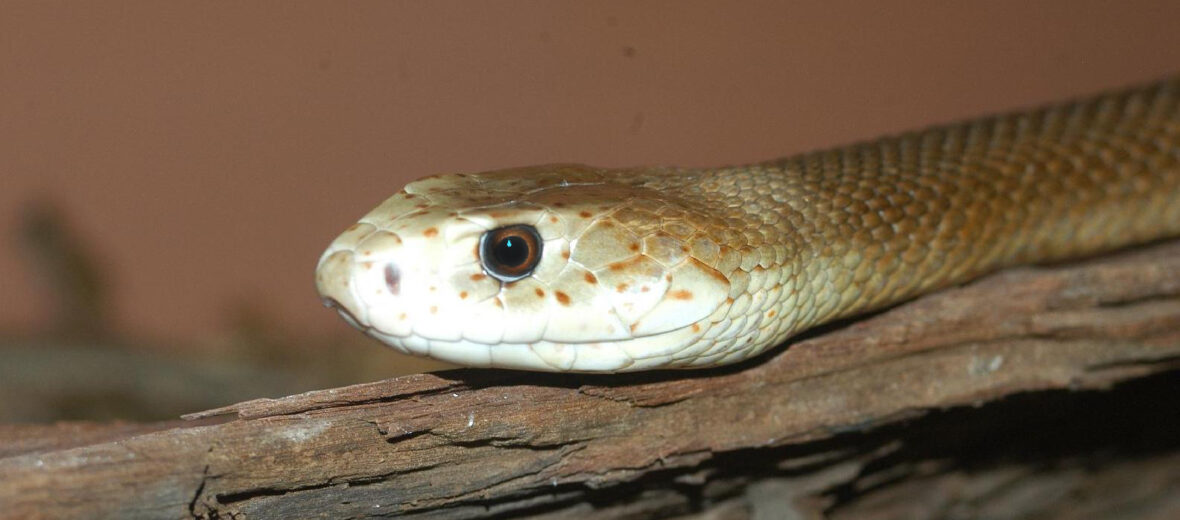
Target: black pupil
[(511, 251)]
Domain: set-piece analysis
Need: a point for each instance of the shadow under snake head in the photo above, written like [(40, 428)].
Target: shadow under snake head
[(557, 268)]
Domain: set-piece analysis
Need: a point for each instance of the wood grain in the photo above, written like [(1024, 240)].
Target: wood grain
[(479, 443)]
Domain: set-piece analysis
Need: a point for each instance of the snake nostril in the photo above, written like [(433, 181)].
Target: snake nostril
[(393, 278)]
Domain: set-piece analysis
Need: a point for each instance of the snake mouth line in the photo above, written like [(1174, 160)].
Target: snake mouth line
[(331, 303)]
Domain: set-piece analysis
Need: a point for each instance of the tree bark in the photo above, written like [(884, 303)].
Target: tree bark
[(880, 417)]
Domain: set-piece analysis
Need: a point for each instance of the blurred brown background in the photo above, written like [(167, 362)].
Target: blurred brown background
[(170, 172)]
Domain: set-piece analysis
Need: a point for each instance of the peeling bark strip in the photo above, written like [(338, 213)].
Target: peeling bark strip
[(474, 443)]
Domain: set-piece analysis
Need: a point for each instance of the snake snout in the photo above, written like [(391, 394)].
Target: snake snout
[(335, 283)]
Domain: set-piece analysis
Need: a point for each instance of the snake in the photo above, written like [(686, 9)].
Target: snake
[(574, 268)]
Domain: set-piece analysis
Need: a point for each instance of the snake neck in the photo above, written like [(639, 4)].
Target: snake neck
[(838, 232)]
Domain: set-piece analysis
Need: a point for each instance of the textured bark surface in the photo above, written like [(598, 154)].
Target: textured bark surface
[(887, 416)]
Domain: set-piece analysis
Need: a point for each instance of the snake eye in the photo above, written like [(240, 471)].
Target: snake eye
[(510, 253)]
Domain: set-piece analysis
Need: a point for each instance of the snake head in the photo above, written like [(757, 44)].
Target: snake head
[(552, 268)]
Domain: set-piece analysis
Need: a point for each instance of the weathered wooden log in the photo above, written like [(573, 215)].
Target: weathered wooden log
[(834, 422)]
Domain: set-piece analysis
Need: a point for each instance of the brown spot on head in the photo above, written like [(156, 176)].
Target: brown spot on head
[(434, 309), (540, 292), (584, 214), (622, 287), (716, 274), (590, 278), (668, 277), (772, 313), (633, 325), (430, 232), (402, 316), (409, 195), (559, 204), (478, 276), (565, 255), (562, 298), (644, 289), (619, 266), (681, 294), (552, 219), (696, 327), (499, 303), (421, 206), (634, 246), (462, 295)]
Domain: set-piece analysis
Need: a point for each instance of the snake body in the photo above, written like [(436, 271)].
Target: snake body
[(660, 267)]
